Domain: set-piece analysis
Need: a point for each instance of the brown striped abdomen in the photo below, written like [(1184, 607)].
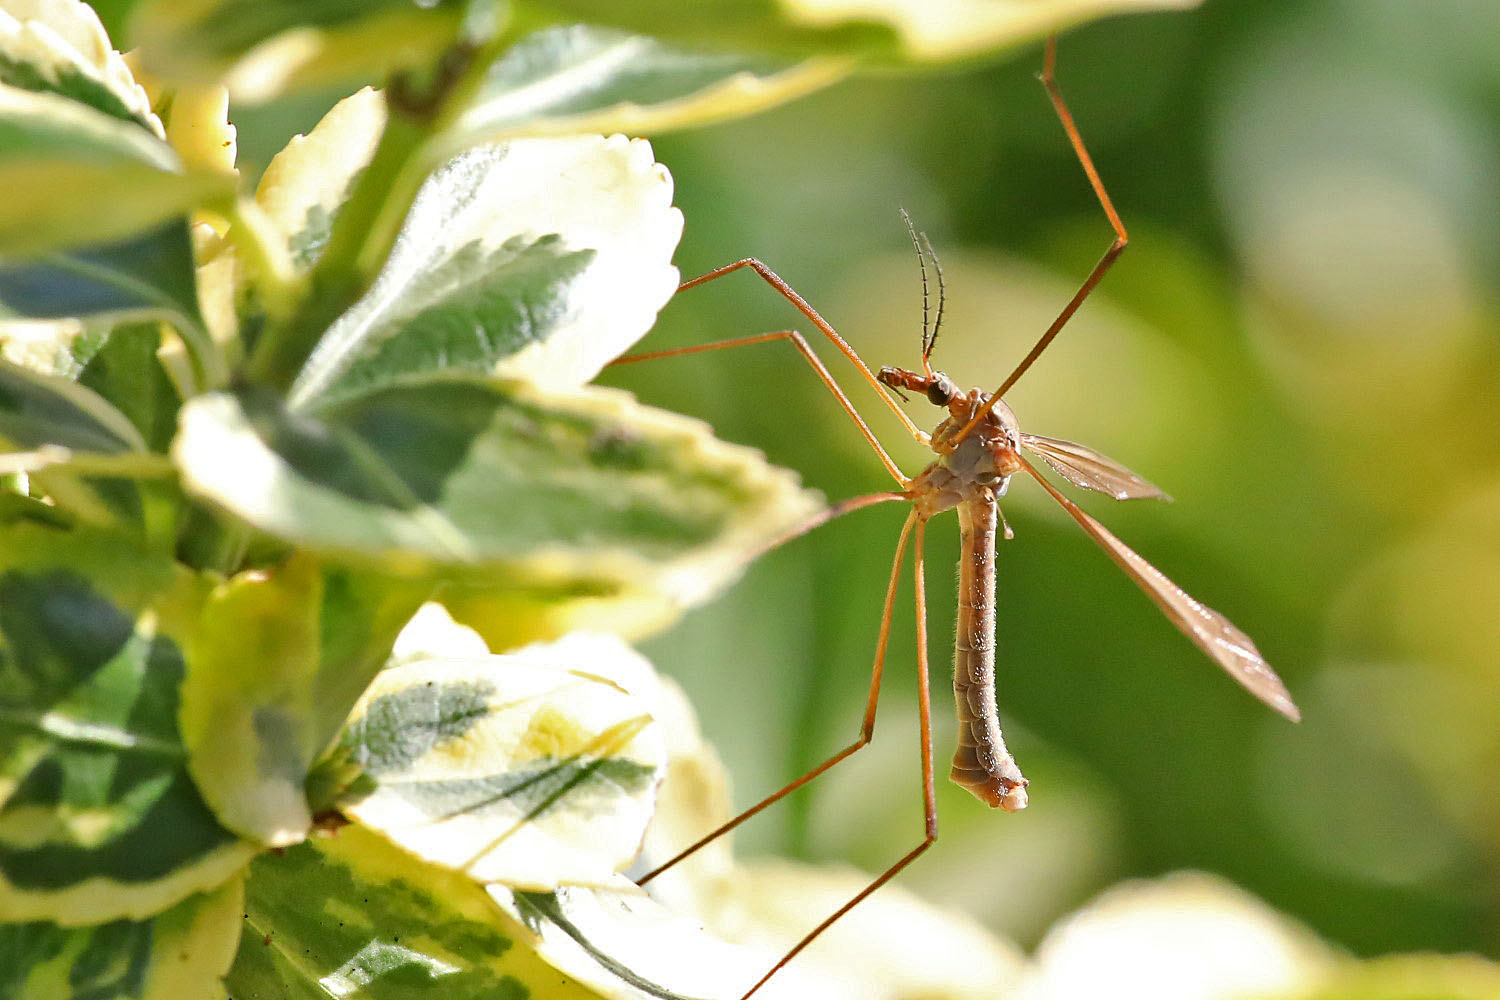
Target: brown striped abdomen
[(981, 763)]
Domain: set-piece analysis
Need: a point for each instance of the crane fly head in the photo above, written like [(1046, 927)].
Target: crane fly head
[(997, 431), (939, 389)]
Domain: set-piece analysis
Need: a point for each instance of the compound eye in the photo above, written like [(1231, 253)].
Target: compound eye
[(942, 390)]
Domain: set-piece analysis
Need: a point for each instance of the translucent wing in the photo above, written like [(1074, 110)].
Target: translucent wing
[(1209, 630), (1087, 468)]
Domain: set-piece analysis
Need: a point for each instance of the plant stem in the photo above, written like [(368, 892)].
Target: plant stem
[(278, 286), (207, 541), (126, 465), (459, 79), (338, 280), (368, 222)]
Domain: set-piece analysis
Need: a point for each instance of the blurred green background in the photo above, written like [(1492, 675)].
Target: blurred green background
[(1300, 346)]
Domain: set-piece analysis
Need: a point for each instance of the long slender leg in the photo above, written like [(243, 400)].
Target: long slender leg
[(800, 343), (829, 513), (929, 794), (790, 294), (1049, 81), (866, 732)]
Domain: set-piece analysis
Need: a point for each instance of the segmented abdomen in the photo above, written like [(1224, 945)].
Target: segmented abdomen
[(981, 763)]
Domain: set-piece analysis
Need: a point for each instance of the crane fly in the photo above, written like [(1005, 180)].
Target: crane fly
[(979, 447)]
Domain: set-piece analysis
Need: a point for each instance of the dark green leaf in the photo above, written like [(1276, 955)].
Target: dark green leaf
[(753, 25), (38, 410), (337, 41), (72, 84), (61, 48), (74, 175), (494, 480), (545, 256), (150, 272), (178, 953), (467, 313), (277, 659), (537, 907), (307, 183), (889, 30), (59, 421), (622, 941), (101, 819), (527, 768), (353, 915), (126, 371), (581, 78)]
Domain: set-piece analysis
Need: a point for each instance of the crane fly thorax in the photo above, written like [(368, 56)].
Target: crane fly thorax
[(997, 432), (973, 463)]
